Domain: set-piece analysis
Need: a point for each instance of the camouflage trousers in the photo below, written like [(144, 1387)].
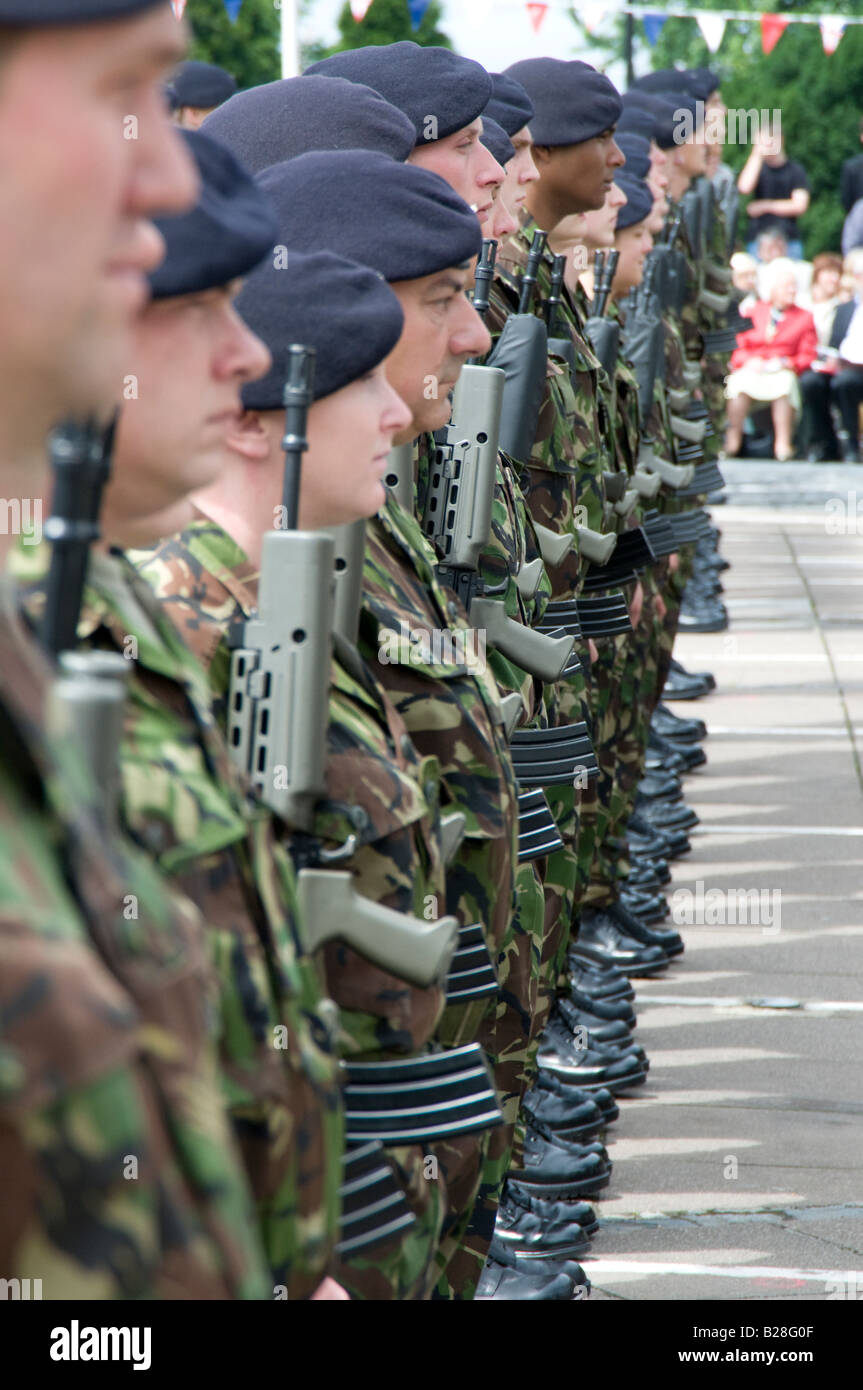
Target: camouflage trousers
[(405, 1268)]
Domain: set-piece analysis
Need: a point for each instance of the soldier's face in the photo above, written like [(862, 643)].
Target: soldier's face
[(521, 171), (442, 330), (584, 173), (463, 161), (350, 435), (192, 117), (87, 152), (501, 221), (189, 359), (633, 243), (598, 227)]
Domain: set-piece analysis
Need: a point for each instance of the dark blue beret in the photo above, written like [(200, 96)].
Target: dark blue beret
[(572, 101), (701, 82), (639, 200), (687, 114), (510, 104), (200, 84), (343, 310), (637, 151), (229, 230), (283, 119), (635, 120), (423, 82), (81, 12), (662, 80), (496, 140), (403, 221), (661, 112)]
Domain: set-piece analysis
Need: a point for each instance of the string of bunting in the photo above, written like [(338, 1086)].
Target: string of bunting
[(592, 12), (712, 24)]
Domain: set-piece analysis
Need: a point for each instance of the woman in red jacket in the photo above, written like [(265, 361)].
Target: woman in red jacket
[(769, 358)]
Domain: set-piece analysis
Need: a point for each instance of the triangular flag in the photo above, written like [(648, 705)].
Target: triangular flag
[(832, 29), (712, 27), (359, 9), (417, 9), (536, 13), (178, 7), (591, 13), (653, 26), (233, 7), (773, 26)]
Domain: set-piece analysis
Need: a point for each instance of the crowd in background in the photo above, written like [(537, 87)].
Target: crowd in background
[(796, 383)]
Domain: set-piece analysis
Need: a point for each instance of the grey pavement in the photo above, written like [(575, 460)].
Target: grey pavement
[(738, 1167)]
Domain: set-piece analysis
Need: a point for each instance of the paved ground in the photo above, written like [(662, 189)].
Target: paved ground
[(738, 1168)]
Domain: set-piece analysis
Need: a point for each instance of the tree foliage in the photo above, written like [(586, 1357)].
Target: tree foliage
[(249, 49), (819, 98), (388, 21)]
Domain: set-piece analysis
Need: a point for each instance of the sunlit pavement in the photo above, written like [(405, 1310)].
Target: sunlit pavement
[(737, 1168)]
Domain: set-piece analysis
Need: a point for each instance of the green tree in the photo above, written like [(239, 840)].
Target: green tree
[(819, 98), (249, 49), (389, 21)]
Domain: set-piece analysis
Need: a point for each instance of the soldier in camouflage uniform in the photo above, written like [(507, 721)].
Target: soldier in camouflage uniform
[(120, 1175), (181, 796)]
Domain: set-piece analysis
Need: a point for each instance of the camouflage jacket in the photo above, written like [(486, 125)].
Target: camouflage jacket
[(378, 787), (432, 664), (182, 800), (121, 1179)]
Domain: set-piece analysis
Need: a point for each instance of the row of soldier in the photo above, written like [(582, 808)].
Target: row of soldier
[(337, 806)]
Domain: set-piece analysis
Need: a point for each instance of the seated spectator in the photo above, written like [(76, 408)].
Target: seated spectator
[(768, 359), (822, 296), (769, 246), (835, 381)]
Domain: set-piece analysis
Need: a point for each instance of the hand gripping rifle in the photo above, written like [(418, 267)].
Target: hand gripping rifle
[(277, 722)]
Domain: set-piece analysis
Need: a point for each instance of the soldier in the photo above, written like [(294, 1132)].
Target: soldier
[(121, 1177), (399, 862), (324, 212), (196, 89), (181, 795)]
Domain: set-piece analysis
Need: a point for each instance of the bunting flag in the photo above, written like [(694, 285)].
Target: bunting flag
[(773, 26), (712, 27), (178, 7), (359, 9), (591, 12), (536, 13), (653, 26), (417, 9), (832, 28)]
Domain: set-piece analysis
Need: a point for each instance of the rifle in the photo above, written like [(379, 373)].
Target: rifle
[(604, 334), (277, 721), (484, 275), (458, 519), (81, 464)]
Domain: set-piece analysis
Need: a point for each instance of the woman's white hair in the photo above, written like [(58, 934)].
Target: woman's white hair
[(773, 271)]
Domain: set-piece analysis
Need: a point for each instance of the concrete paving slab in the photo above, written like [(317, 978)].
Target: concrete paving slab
[(778, 1091)]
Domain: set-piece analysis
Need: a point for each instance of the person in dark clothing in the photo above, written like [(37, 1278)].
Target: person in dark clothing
[(851, 178), (834, 385), (780, 192)]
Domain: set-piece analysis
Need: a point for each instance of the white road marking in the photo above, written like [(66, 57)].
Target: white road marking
[(692, 1001), (596, 1268)]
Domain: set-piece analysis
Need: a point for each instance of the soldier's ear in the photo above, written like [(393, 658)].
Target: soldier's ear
[(250, 438)]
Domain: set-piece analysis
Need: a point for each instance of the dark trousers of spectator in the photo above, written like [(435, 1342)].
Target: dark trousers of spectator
[(818, 391)]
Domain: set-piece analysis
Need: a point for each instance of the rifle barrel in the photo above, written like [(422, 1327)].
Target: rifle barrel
[(531, 271), (297, 398)]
